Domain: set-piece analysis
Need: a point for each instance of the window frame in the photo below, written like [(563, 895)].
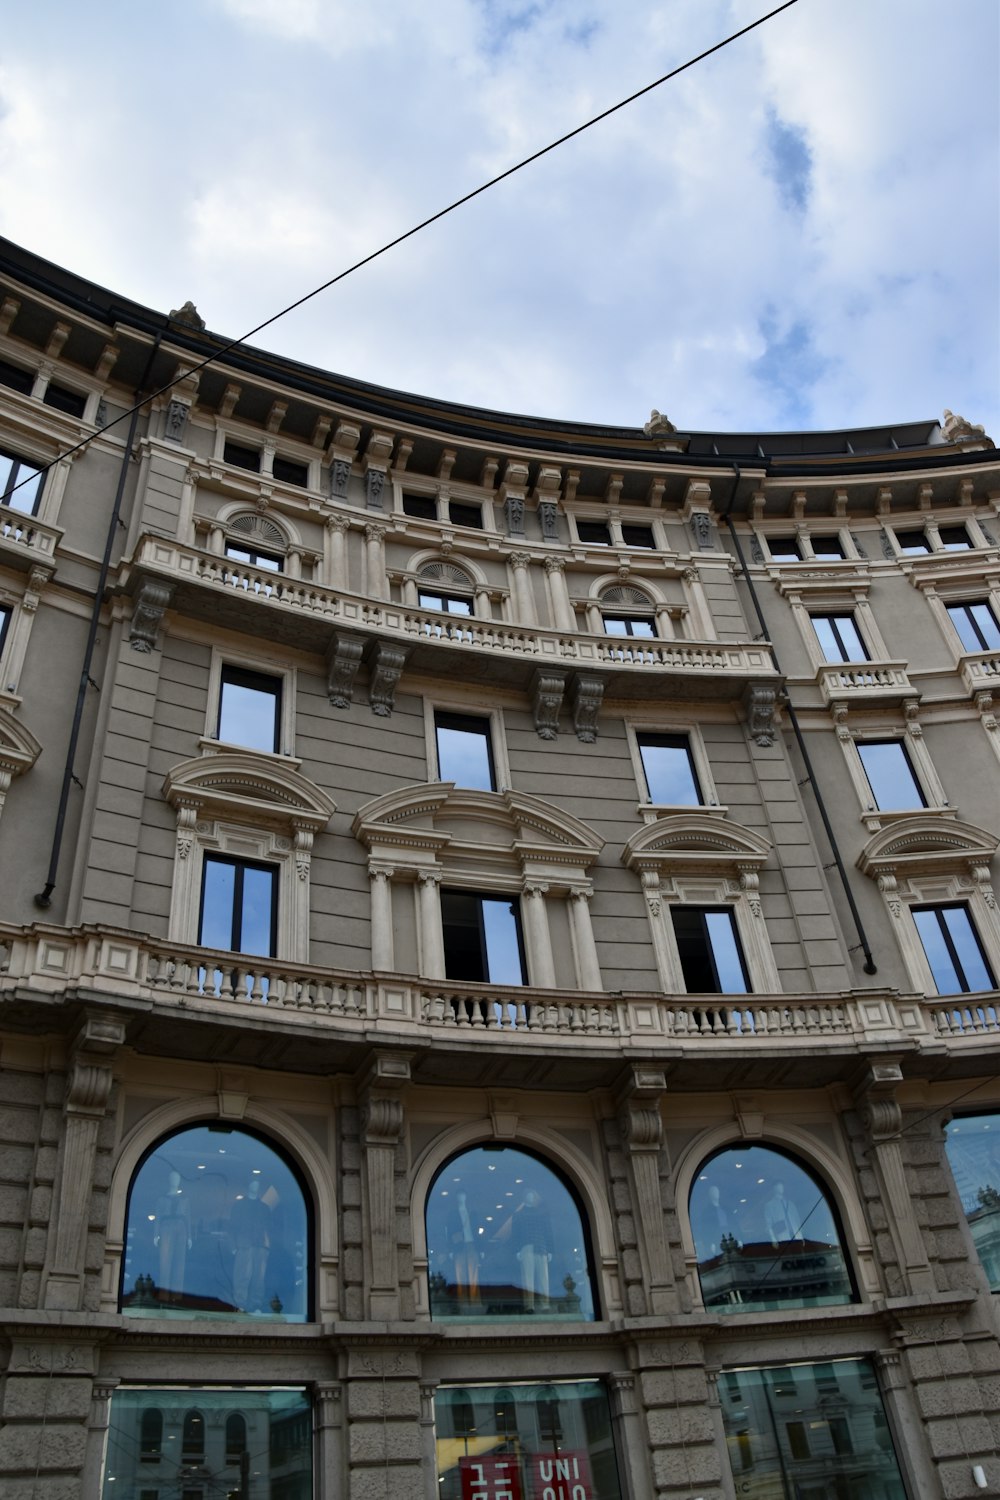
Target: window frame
[(709, 954), (937, 907), (222, 659), (628, 621), (697, 760), (467, 506), (232, 445), (17, 462), (447, 598), (255, 558), (240, 865), (864, 743), (951, 607), (831, 617), (492, 733), (511, 898), (6, 616), (595, 523)]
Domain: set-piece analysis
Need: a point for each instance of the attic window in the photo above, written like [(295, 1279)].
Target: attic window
[(242, 457), (287, 471), (62, 399)]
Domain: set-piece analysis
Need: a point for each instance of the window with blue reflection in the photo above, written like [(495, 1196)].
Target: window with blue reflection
[(20, 484), (912, 543), (482, 938), (709, 949), (765, 1234), (973, 1146), (809, 1432), (277, 1436), (464, 753), (976, 625), (250, 709), (506, 1239), (5, 618), (217, 1226), (669, 769), (266, 560), (838, 638), (239, 905), (451, 604), (952, 949), (634, 625), (890, 775)]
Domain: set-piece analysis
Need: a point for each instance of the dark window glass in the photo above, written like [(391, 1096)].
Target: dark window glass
[(827, 547), (250, 709), (912, 543), (505, 1238), (423, 507), (482, 938), (976, 625), (708, 946), (954, 538), (638, 536), (217, 1224), (239, 905), (765, 1234), (953, 950), (838, 636), (242, 457), (670, 774), (236, 1437), (465, 755), (595, 532), (193, 1435), (5, 615), (15, 378), (277, 1425), (59, 397), (451, 604), (287, 471), (636, 625), (465, 515), (973, 1146), (20, 484), (151, 1435), (267, 560), (784, 549), (890, 775), (811, 1453)]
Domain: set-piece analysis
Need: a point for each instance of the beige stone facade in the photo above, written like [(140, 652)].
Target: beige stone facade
[(729, 888)]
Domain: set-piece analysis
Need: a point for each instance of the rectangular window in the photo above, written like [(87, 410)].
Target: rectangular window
[(828, 548), (976, 624), (912, 543), (5, 617), (287, 471), (953, 950), (256, 559), (671, 779), (890, 775), (638, 536), (954, 538), (250, 709), (594, 532), (708, 946), (20, 484), (461, 514), (62, 399), (449, 604), (464, 752), (482, 938), (636, 625), (242, 457), (422, 507), (15, 378), (239, 906), (838, 636), (784, 549)]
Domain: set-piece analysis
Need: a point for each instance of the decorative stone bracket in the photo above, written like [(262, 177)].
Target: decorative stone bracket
[(882, 1118), (588, 693), (386, 664), (761, 705), (151, 603), (641, 1127), (548, 689), (342, 662), (382, 1120)]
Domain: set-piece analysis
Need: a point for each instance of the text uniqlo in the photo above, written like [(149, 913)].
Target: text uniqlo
[(489, 1478), (562, 1476)]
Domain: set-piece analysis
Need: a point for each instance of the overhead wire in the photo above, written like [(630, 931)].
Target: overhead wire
[(227, 348)]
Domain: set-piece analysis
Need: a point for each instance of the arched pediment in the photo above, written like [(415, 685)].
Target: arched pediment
[(247, 787), (441, 814), (18, 747), (695, 838), (925, 843)]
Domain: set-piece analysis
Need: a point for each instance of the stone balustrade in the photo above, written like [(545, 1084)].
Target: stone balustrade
[(26, 539), (861, 682), (981, 672), (50, 966)]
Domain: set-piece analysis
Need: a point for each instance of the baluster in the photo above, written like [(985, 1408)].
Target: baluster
[(224, 989)]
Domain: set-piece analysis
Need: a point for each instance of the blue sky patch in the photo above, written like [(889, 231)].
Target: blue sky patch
[(789, 161), (788, 369)]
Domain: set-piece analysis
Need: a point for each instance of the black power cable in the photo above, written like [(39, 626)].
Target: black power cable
[(424, 224)]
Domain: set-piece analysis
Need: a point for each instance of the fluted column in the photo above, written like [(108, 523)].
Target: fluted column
[(383, 956), (587, 965), (335, 560), (429, 929), (537, 937), (519, 562), (377, 584), (562, 609)]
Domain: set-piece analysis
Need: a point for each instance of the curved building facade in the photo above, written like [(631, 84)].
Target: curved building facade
[(498, 945)]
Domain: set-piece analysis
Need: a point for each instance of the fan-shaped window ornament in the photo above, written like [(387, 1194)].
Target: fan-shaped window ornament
[(626, 597), (445, 572), (766, 1234), (255, 540)]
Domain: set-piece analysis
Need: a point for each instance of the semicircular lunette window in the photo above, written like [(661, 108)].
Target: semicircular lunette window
[(218, 1226), (766, 1234), (506, 1239), (972, 1143)]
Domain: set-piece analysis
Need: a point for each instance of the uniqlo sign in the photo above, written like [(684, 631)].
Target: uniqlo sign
[(560, 1476), (489, 1478)]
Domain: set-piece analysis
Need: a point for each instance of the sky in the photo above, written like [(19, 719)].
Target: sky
[(802, 231)]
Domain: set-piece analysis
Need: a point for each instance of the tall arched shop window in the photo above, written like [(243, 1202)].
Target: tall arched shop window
[(506, 1239), (973, 1146), (766, 1234), (217, 1225)]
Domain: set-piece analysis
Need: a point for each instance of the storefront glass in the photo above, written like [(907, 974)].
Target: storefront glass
[(973, 1146)]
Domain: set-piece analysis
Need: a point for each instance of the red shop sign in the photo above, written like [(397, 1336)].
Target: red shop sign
[(490, 1478), (560, 1476)]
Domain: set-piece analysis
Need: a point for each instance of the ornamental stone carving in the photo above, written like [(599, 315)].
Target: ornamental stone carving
[(548, 513), (151, 603), (513, 509), (701, 525), (386, 668), (761, 706), (374, 485), (342, 663), (549, 688), (956, 429), (176, 421), (340, 473), (588, 693)]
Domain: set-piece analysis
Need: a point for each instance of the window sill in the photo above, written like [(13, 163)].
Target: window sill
[(211, 746)]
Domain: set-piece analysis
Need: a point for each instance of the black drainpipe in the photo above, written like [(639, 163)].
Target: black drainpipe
[(870, 967), (44, 897)]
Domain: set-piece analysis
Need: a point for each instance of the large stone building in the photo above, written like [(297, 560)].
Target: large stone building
[(498, 944)]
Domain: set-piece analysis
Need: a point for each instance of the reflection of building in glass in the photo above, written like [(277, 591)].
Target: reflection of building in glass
[(491, 966)]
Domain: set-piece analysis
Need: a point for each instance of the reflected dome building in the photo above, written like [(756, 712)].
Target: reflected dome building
[(499, 944)]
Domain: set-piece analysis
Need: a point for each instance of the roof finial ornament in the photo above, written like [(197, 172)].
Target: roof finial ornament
[(188, 315), (957, 430), (658, 425)]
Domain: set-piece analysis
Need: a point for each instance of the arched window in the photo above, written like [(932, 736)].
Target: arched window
[(193, 1436), (236, 1437), (151, 1435), (255, 540), (766, 1234), (217, 1223), (506, 1239), (626, 610), (973, 1146), (446, 587)]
